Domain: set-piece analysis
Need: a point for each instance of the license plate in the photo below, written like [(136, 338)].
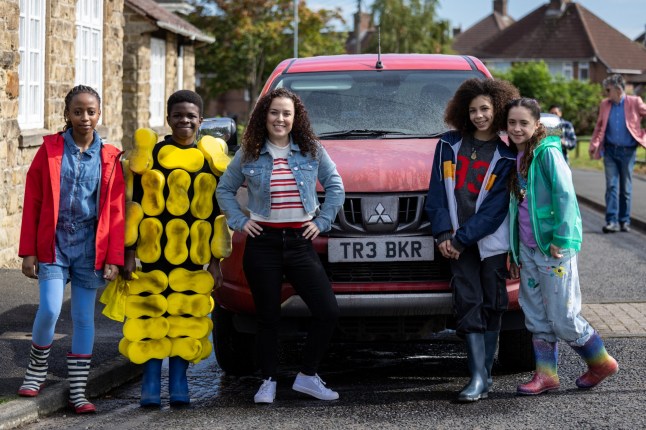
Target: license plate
[(419, 248)]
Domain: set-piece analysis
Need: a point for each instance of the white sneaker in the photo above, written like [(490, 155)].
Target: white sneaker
[(266, 393), (314, 386)]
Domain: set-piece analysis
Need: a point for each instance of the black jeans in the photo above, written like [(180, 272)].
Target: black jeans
[(278, 253), (479, 291)]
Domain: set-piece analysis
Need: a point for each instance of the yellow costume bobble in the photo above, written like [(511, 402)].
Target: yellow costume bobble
[(221, 242), (203, 189), (177, 202), (199, 281), (152, 202), (150, 306), (200, 249), (134, 215), (195, 327), (177, 232), (151, 328), (171, 157), (215, 151), (149, 245), (206, 347), (197, 305), (141, 157), (153, 282), (142, 351), (188, 348)]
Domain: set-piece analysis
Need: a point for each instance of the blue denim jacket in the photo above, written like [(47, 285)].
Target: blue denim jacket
[(257, 174)]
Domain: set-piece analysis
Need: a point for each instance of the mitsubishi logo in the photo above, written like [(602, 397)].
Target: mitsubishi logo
[(380, 216)]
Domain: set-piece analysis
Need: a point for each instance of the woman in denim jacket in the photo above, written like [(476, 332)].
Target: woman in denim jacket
[(281, 161)]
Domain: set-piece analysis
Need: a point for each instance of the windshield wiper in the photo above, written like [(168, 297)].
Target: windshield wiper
[(358, 132)]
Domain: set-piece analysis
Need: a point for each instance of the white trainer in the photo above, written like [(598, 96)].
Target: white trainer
[(314, 386), (266, 393)]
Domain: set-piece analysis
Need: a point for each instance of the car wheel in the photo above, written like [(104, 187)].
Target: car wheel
[(515, 352), (234, 351)]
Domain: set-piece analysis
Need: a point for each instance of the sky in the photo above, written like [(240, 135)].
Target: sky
[(627, 16)]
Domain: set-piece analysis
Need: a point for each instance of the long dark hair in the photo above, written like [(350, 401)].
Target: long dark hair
[(256, 132), (535, 110), (79, 89)]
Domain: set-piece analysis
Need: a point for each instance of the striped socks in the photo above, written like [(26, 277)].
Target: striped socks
[(36, 371)]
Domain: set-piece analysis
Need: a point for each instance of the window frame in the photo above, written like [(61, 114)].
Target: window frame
[(88, 56), (31, 70), (157, 81)]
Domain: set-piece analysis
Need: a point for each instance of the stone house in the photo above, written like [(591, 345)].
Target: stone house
[(133, 52)]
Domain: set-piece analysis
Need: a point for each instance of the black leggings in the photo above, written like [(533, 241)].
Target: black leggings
[(479, 291), (267, 258)]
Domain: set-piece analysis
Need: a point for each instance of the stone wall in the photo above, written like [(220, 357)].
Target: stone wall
[(11, 163)]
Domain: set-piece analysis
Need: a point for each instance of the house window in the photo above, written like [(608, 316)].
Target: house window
[(31, 71), (584, 71), (157, 81), (567, 71), (180, 68), (89, 44)]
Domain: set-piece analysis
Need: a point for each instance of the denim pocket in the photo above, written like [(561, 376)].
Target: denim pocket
[(253, 175)]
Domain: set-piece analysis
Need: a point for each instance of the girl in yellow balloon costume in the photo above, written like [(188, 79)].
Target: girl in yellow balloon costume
[(171, 227)]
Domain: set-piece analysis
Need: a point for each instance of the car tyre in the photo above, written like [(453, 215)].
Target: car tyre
[(234, 351), (515, 352)]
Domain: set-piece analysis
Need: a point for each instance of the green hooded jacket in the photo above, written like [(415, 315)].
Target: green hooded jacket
[(553, 208)]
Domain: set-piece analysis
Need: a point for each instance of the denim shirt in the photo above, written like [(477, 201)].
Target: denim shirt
[(80, 179), (257, 174)]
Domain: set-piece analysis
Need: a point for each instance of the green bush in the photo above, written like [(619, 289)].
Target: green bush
[(579, 100)]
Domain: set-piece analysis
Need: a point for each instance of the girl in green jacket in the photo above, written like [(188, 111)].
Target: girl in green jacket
[(545, 238)]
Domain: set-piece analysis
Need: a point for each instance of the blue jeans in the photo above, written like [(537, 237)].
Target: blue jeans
[(550, 296), (618, 162), (75, 251)]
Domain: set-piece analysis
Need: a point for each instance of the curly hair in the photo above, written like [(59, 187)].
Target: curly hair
[(79, 89), (256, 132), (500, 93), (535, 110)]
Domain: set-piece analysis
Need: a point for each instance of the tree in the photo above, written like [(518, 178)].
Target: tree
[(410, 26), (253, 36), (579, 100)]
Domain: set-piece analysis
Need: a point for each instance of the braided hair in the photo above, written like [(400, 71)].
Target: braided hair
[(79, 89)]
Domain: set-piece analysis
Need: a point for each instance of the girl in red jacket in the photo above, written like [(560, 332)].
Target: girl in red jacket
[(72, 230)]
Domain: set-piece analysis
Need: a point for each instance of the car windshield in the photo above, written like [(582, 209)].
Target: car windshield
[(376, 104)]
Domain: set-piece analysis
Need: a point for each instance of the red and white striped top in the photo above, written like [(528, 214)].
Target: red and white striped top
[(286, 204)]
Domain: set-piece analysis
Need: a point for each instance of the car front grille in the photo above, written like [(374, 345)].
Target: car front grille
[(402, 271)]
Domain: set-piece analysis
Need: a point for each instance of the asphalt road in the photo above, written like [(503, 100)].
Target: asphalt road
[(414, 385)]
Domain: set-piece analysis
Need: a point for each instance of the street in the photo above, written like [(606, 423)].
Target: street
[(414, 385)]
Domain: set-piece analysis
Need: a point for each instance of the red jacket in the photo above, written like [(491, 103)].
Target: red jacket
[(42, 197), (634, 109)]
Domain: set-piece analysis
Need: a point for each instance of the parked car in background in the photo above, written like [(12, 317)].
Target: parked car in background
[(379, 119), (222, 127)]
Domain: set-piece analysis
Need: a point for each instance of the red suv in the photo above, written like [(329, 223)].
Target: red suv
[(379, 118)]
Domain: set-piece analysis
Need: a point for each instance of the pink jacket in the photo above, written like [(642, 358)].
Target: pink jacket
[(635, 110)]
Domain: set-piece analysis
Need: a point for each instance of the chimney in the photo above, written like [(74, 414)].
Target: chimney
[(558, 4), (500, 6), (457, 31)]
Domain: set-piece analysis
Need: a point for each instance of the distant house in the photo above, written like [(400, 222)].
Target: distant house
[(465, 42), (573, 42), (363, 31), (133, 52)]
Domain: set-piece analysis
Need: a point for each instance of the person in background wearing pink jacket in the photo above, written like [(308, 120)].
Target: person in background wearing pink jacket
[(615, 138)]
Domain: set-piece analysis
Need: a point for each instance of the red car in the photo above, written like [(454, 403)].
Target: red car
[(379, 118)]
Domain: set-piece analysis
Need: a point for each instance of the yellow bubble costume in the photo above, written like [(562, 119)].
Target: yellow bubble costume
[(173, 221)]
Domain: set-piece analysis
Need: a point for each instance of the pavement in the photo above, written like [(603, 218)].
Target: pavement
[(109, 369)]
